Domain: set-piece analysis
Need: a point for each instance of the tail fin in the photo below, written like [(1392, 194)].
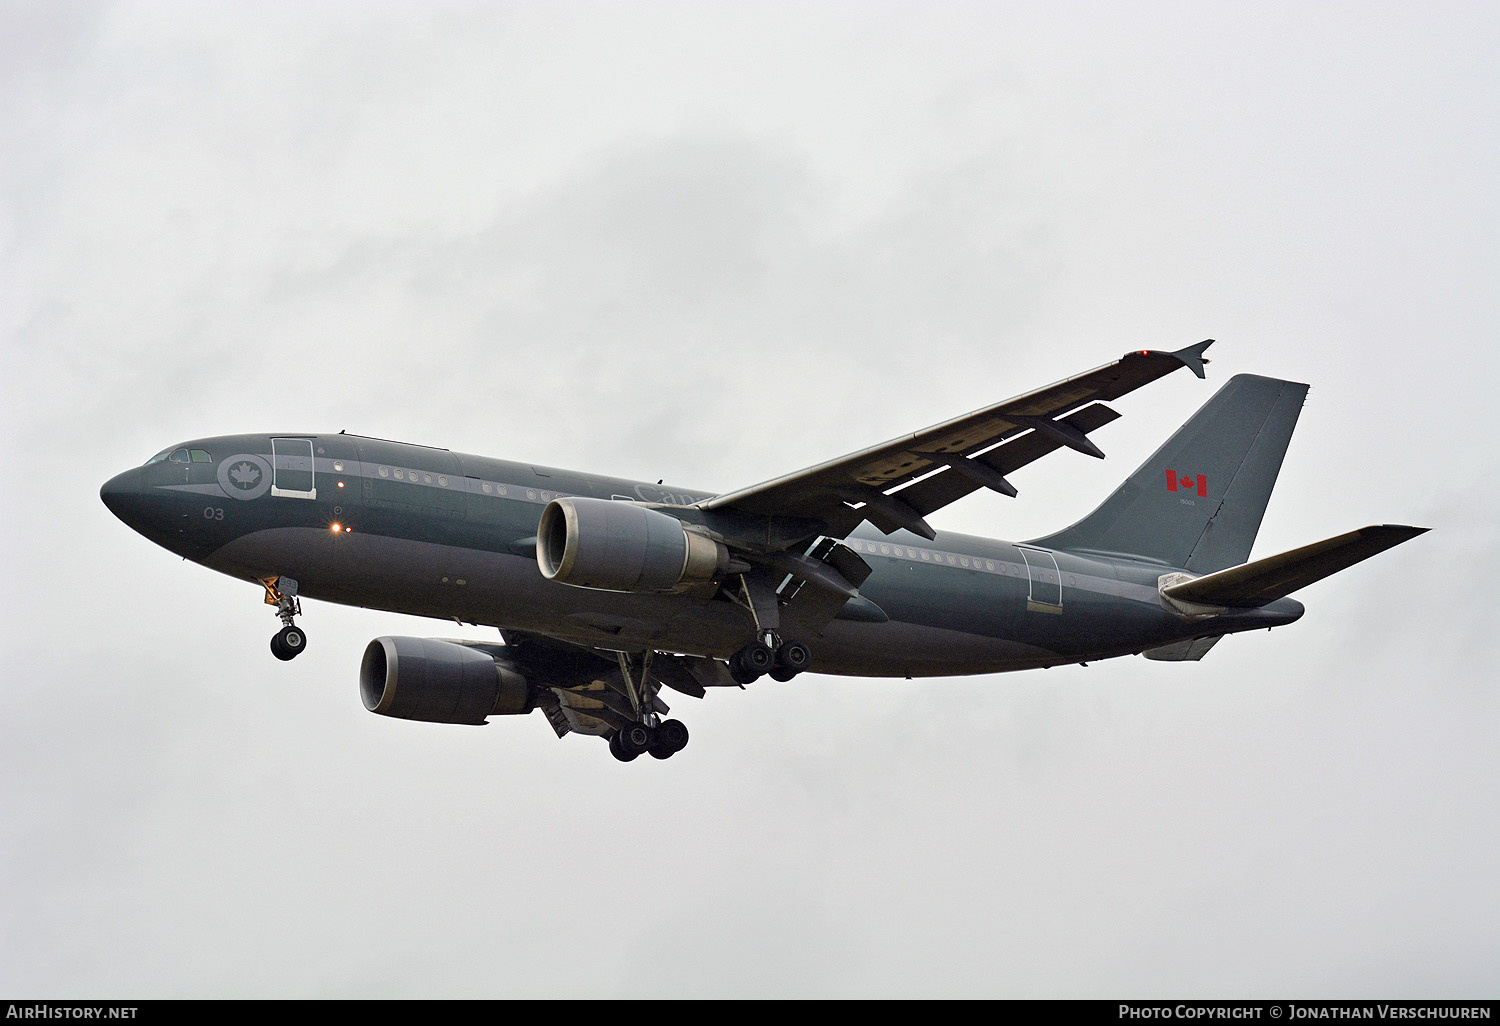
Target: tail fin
[(1198, 502)]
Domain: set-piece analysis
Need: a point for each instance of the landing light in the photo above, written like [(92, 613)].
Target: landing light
[(336, 528)]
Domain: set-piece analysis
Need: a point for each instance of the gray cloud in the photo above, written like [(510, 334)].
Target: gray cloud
[(713, 243)]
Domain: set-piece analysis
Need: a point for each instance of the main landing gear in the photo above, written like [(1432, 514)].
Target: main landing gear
[(647, 732), (782, 660), (288, 642), (662, 741), (769, 653)]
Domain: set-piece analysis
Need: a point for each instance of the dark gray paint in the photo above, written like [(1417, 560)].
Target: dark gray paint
[(451, 536)]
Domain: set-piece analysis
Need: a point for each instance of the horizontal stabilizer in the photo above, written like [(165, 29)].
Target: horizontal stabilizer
[(1266, 580)]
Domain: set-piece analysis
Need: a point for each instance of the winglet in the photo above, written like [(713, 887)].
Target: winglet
[(1192, 357)]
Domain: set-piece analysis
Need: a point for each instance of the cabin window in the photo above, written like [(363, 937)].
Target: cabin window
[(200, 456), (180, 456)]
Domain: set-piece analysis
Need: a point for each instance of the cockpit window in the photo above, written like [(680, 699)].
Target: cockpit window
[(182, 456)]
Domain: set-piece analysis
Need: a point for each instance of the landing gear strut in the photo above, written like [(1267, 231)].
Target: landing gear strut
[(782, 658), (648, 732), (288, 642)]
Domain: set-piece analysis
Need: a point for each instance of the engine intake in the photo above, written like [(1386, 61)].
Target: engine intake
[(439, 681), (609, 545)]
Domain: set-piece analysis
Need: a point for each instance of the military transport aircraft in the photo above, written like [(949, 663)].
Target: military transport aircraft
[(607, 590)]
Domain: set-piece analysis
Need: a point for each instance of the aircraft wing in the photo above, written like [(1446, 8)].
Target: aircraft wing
[(895, 485)]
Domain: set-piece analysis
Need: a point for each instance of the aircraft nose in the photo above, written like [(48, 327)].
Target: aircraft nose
[(122, 494)]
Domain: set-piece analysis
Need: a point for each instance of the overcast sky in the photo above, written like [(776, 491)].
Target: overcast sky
[(714, 243)]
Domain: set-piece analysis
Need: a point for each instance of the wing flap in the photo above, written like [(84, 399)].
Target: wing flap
[(949, 485), (1266, 580)]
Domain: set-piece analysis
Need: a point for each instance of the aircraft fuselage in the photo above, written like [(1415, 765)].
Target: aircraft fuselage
[(426, 531)]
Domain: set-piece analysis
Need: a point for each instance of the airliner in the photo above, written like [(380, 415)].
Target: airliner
[(606, 591)]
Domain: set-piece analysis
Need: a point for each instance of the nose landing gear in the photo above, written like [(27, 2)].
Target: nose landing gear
[(288, 642)]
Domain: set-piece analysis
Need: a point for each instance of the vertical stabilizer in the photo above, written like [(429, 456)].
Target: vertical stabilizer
[(1198, 502)]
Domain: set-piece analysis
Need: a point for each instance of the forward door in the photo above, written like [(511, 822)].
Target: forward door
[(292, 468)]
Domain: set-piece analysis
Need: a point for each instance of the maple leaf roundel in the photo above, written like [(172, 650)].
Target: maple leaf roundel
[(244, 476)]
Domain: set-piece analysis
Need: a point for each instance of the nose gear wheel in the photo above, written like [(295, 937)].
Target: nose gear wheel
[(288, 642)]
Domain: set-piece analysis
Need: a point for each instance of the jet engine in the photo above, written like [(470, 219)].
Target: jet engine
[(610, 545), (440, 681)]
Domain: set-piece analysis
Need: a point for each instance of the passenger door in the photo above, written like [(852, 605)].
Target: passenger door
[(1045, 594), (292, 468)]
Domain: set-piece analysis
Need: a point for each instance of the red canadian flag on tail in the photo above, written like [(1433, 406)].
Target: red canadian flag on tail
[(1187, 482)]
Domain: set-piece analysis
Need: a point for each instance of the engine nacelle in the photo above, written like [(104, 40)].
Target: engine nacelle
[(611, 545), (439, 681)]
